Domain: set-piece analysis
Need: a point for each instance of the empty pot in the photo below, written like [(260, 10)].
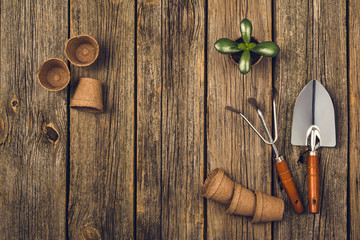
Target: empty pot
[(268, 208), (218, 186), (82, 50), (53, 74), (243, 202)]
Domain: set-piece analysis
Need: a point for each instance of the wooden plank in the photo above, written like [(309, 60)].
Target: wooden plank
[(33, 122), (308, 33), (354, 113), (148, 172), (102, 145), (170, 50), (183, 82), (231, 144)]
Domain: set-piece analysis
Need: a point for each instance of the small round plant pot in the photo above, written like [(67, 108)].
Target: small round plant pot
[(218, 186), (255, 58), (82, 50), (53, 74), (268, 208), (243, 202), (88, 96)]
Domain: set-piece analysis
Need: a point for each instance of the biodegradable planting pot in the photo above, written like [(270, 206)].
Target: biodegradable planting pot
[(243, 202), (268, 208), (82, 50), (218, 186), (88, 96), (53, 74), (255, 58)]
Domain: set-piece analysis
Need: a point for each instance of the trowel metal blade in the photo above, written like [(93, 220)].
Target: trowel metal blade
[(314, 107)]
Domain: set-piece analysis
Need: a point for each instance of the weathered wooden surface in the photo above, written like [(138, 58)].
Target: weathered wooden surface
[(149, 83), (231, 144), (171, 54), (354, 120), (135, 171), (308, 33), (183, 82), (102, 145), (33, 122)]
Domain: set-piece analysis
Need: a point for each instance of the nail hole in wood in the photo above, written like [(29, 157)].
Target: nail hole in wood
[(296, 201), (314, 201)]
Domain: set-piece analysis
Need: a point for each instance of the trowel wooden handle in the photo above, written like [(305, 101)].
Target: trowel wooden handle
[(289, 185), (313, 182)]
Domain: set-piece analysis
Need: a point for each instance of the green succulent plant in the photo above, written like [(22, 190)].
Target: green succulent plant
[(228, 46)]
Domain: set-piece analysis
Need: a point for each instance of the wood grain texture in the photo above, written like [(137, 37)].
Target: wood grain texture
[(135, 171), (308, 33), (149, 83), (354, 113), (33, 122), (183, 81), (102, 145), (170, 49), (231, 144)]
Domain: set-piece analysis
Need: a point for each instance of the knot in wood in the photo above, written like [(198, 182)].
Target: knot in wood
[(90, 233), (50, 132), (14, 104)]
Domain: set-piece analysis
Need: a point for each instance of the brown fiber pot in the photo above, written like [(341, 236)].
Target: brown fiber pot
[(243, 202), (218, 186), (53, 74), (88, 96), (268, 208), (82, 50)]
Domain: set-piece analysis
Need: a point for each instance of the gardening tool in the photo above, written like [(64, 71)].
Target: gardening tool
[(313, 126), (280, 163)]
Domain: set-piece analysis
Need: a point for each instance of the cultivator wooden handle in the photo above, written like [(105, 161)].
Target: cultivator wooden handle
[(313, 182), (289, 185)]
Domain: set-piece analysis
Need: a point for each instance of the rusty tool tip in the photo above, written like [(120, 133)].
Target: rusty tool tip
[(253, 103), (232, 109)]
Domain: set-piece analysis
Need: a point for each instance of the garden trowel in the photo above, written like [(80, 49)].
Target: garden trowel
[(313, 126)]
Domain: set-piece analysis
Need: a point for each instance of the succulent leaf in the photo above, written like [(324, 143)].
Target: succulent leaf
[(246, 30), (245, 62), (266, 49), (242, 46), (226, 46), (251, 45)]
